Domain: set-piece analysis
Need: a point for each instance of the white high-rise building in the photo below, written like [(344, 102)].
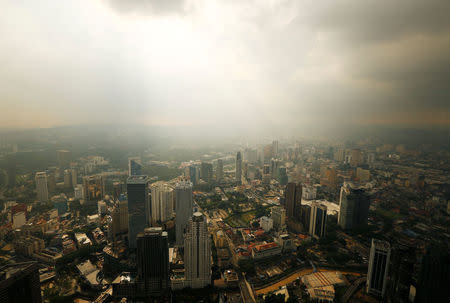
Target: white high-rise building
[(162, 202), (278, 215), (380, 253), (41, 186), (197, 252), (266, 223), (183, 209), (238, 174)]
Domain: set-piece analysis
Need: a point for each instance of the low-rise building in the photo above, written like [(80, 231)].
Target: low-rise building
[(266, 250)]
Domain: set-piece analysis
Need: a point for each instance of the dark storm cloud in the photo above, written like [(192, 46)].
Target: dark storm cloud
[(148, 6)]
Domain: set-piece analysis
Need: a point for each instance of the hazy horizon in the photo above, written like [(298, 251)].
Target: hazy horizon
[(245, 66)]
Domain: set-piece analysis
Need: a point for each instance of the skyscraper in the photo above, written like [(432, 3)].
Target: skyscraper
[(238, 174), (356, 157), (134, 166), (68, 178), (118, 225), (278, 215), (219, 174), (206, 172), (318, 220), (434, 275), (93, 188), (162, 202), (183, 209), (197, 252), (153, 260), (19, 282), (401, 272), (282, 176), (380, 253), (64, 157), (293, 200), (138, 202), (353, 206), (275, 147), (41, 186)]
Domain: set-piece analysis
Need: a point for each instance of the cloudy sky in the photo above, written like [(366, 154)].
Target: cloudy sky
[(218, 64)]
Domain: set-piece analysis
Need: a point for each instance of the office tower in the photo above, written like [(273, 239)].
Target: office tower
[(102, 207), (434, 275), (353, 206), (282, 176), (380, 253), (67, 178), (318, 220), (153, 260), (274, 165), (305, 216), (278, 215), (401, 271), (183, 209), (329, 177), (74, 171), (206, 172), (118, 225), (162, 202), (19, 282), (293, 200), (275, 148), (238, 173), (356, 157), (41, 186), (64, 157), (137, 190), (93, 188), (219, 174), (268, 152), (134, 166), (266, 174), (197, 252), (51, 180), (192, 174), (266, 223), (245, 170), (250, 155), (339, 155)]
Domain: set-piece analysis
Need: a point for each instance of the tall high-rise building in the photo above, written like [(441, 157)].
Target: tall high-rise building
[(118, 226), (353, 206), (138, 203), (68, 178), (153, 261), (74, 171), (293, 200), (318, 220), (266, 174), (51, 180), (274, 165), (219, 173), (19, 282), (183, 209), (380, 253), (356, 157), (275, 148), (401, 272), (278, 215), (93, 188), (193, 176), (206, 172), (64, 157), (134, 166), (339, 155), (162, 202), (434, 275), (238, 173), (197, 252), (41, 186), (282, 176), (305, 216)]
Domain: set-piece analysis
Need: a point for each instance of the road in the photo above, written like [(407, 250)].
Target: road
[(247, 296), (352, 289)]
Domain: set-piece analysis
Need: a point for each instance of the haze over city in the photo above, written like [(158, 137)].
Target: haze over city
[(240, 151), (250, 65)]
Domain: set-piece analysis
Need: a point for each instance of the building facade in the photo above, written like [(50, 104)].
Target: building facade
[(183, 209)]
